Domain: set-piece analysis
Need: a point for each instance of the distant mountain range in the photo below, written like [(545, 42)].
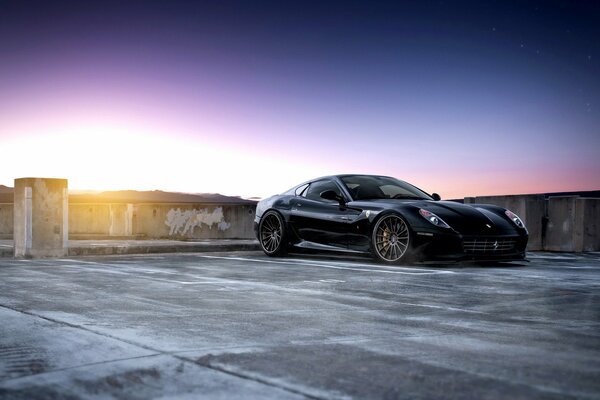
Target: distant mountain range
[(134, 196), (158, 196)]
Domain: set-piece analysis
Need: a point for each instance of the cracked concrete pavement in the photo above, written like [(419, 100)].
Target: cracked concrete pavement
[(241, 325)]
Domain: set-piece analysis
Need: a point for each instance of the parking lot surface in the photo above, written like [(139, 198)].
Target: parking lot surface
[(241, 325)]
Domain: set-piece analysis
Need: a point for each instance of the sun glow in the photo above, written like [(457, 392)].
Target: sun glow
[(121, 156)]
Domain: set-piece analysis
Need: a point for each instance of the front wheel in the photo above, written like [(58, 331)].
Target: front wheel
[(391, 239), (272, 235)]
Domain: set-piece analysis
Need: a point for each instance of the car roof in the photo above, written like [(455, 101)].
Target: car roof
[(339, 176)]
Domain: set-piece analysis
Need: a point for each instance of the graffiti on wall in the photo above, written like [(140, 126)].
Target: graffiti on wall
[(183, 222)]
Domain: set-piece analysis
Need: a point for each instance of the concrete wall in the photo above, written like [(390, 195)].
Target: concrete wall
[(6, 220), (530, 208), (194, 221), (561, 223), (590, 224), (573, 224), (151, 221), (101, 219)]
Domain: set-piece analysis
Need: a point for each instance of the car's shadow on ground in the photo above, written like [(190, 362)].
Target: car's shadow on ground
[(366, 259), (473, 265)]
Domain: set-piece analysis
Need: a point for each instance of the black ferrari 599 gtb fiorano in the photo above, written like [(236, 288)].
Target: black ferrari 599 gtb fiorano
[(388, 218)]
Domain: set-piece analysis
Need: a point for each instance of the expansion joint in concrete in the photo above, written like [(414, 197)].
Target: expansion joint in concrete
[(205, 362), (158, 352)]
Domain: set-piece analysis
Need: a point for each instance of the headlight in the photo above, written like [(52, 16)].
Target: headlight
[(434, 219), (515, 218)]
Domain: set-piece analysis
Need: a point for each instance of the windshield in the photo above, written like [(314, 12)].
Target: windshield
[(365, 187)]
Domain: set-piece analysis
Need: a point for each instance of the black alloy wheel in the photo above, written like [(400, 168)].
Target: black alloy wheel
[(391, 239), (272, 234)]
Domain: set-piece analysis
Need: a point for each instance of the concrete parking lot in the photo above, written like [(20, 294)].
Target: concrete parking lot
[(241, 325)]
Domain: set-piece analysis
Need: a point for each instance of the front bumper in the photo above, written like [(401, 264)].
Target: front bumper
[(454, 247)]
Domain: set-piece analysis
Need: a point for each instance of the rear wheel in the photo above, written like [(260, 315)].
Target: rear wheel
[(272, 235), (391, 239)]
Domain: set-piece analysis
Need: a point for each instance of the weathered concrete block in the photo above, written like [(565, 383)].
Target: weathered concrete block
[(101, 219), (6, 220), (41, 217), (121, 220), (587, 224), (560, 234), (531, 209), (574, 224), (162, 220), (194, 221), (90, 219)]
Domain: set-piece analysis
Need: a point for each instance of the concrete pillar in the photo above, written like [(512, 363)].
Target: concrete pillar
[(41, 217)]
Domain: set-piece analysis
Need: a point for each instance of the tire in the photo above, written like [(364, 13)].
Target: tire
[(272, 235), (390, 239)]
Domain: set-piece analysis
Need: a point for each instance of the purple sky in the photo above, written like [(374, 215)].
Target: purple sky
[(250, 98)]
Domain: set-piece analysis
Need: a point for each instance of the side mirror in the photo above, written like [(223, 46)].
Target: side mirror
[(333, 196), (436, 196)]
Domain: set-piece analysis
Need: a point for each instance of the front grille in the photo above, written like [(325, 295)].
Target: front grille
[(489, 245)]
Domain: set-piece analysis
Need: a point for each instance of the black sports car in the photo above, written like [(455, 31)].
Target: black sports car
[(388, 218)]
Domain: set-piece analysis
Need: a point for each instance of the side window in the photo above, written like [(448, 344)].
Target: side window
[(316, 188), (300, 190)]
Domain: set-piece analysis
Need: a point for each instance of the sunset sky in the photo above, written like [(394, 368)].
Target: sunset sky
[(250, 97)]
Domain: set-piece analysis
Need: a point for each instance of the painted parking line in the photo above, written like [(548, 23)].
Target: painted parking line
[(364, 265), (447, 308), (334, 265), (135, 272)]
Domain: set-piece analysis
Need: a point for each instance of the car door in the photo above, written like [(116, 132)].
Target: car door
[(317, 220)]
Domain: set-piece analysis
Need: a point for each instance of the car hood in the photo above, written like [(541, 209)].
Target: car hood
[(463, 218)]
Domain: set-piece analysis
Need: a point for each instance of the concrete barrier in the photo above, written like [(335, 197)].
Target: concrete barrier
[(6, 220), (151, 221), (530, 208), (100, 219), (560, 235), (573, 224), (194, 221), (590, 223)]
